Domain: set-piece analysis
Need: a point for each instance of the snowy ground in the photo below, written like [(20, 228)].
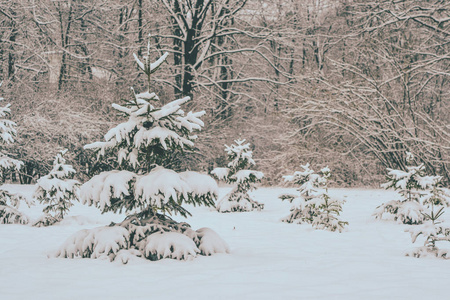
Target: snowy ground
[(269, 259)]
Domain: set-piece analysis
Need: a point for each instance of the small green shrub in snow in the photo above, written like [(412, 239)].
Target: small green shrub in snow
[(238, 199), (144, 187), (9, 202), (411, 185), (57, 190), (314, 205), (432, 229)]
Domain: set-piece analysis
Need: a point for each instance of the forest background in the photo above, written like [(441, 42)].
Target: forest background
[(348, 84)]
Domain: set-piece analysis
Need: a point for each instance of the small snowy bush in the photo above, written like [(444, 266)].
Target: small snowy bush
[(411, 186), (57, 190), (433, 230), (144, 186), (314, 205), (9, 202), (169, 245), (238, 199), (209, 242)]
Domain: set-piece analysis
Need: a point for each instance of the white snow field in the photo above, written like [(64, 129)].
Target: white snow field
[(268, 260)]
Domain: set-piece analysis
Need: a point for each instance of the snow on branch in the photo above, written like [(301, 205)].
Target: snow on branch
[(221, 173), (170, 245), (160, 186), (106, 187), (100, 242), (201, 185)]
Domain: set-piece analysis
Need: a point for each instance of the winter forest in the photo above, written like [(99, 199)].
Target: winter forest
[(237, 149)]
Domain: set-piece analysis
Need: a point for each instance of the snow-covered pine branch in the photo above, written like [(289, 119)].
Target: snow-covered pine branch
[(314, 205), (150, 130), (57, 190), (144, 187), (238, 199), (9, 208)]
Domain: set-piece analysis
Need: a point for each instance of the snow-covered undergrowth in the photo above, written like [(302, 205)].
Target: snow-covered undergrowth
[(268, 259), (57, 190), (314, 205), (238, 199), (412, 185)]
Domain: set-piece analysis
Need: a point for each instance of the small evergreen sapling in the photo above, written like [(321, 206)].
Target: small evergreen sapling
[(238, 199), (57, 190), (411, 185), (314, 205), (144, 187), (432, 229), (9, 202)]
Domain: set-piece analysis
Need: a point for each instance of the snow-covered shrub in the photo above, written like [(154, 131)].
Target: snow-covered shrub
[(144, 186), (210, 242), (411, 186), (57, 190), (9, 213), (314, 205), (238, 199), (432, 229), (9, 202)]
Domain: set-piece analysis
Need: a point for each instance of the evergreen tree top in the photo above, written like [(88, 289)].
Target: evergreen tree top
[(150, 132), (239, 154), (240, 157), (60, 169), (309, 177), (311, 184)]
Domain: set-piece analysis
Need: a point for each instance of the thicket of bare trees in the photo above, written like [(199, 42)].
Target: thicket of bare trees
[(384, 81), (352, 84)]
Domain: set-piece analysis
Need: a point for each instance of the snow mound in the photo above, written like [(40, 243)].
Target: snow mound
[(170, 245), (128, 255), (211, 242), (78, 220)]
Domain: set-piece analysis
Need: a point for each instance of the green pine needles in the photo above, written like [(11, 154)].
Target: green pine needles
[(243, 179), (57, 190), (314, 204)]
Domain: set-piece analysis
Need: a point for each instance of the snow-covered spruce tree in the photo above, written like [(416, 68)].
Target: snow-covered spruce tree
[(58, 190), (411, 185), (238, 199), (144, 188), (314, 205), (9, 202), (432, 229)]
